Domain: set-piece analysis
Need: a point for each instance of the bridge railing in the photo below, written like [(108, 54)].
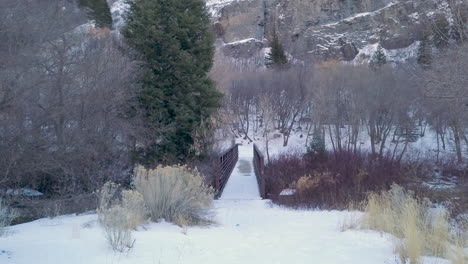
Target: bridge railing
[(225, 165), (259, 168)]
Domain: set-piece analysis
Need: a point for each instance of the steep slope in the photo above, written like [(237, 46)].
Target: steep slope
[(324, 29)]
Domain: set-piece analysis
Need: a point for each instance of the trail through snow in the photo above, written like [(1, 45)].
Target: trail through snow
[(248, 230)]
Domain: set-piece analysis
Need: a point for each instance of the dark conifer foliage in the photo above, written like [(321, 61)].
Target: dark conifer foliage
[(276, 57), (378, 59), (175, 42), (97, 10)]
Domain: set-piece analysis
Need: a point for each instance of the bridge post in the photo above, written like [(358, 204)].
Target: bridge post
[(259, 169)]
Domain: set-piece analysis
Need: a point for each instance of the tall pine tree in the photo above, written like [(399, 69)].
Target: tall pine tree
[(276, 58), (378, 59), (174, 40)]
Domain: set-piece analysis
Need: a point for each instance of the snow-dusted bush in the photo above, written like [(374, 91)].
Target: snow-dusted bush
[(119, 217), (7, 215), (419, 229), (175, 194)]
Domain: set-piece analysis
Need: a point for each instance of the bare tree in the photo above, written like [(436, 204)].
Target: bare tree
[(446, 94), (65, 93)]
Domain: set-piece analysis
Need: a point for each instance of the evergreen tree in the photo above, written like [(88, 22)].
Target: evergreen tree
[(98, 10), (276, 57), (378, 59), (174, 40), (425, 53)]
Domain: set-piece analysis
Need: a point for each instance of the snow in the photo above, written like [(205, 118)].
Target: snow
[(243, 41), (425, 146), (246, 230), (287, 192), (118, 9), (242, 184), (215, 6), (395, 55), (363, 14), (22, 192)]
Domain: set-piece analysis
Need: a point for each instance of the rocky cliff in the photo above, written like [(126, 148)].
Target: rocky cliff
[(348, 30)]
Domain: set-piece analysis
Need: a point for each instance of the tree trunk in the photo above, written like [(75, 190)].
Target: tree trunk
[(456, 137)]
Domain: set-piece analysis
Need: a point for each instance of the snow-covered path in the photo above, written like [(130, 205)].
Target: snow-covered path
[(247, 230), (242, 185)]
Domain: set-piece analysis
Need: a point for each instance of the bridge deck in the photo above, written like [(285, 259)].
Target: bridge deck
[(242, 185)]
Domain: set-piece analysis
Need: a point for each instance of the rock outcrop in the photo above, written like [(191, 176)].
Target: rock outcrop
[(327, 29)]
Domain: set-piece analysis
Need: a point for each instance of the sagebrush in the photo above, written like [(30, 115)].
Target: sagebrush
[(119, 217), (7, 215), (176, 194)]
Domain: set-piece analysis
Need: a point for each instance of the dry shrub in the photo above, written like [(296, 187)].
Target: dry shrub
[(439, 234), (175, 194), (352, 220), (306, 184), (7, 215), (334, 179), (116, 228), (134, 205), (413, 236), (419, 229), (120, 216), (457, 254)]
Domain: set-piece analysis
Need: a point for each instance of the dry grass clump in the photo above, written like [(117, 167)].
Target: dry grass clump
[(175, 194), (352, 220), (457, 253), (7, 215), (120, 216), (420, 229)]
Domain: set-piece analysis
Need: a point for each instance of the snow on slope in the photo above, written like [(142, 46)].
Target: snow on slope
[(423, 147), (215, 6), (118, 9), (363, 14), (394, 55)]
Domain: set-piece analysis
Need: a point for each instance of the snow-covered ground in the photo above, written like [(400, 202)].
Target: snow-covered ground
[(424, 147), (246, 230)]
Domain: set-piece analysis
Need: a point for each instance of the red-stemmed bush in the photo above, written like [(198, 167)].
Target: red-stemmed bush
[(335, 179)]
